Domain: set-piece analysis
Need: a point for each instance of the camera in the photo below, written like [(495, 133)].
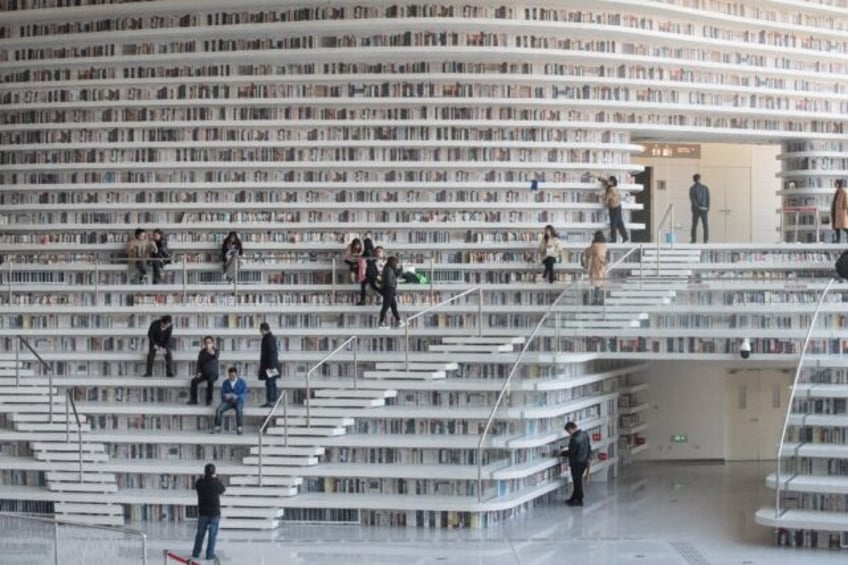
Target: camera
[(745, 348)]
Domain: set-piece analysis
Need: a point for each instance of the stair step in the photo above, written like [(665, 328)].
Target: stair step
[(347, 402), (70, 486), (418, 366), (485, 340), (597, 324), (402, 374), (47, 427), (288, 451), (71, 476), (643, 293), (31, 399), (266, 491), (625, 316), (45, 417), (322, 422), (71, 456), (39, 391), (350, 393), (315, 431), (92, 519), (89, 508), (456, 348), (250, 524), (241, 512), (293, 450), (249, 481), (637, 301), (663, 272), (277, 461), (70, 446)]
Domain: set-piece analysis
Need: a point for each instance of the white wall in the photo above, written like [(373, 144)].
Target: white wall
[(761, 219), (685, 397)]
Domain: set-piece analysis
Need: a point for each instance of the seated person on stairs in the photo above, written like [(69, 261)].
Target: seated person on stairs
[(233, 395)]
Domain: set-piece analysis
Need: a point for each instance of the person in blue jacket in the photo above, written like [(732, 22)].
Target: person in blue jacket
[(233, 395)]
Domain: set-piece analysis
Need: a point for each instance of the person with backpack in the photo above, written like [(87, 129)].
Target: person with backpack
[(389, 290), (371, 265)]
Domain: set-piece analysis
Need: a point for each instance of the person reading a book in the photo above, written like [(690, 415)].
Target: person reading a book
[(233, 395), (269, 364), (206, 371)]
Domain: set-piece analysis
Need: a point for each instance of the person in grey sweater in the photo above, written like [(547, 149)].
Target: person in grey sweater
[(389, 291), (699, 197)]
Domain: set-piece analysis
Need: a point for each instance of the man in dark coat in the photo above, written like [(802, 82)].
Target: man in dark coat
[(269, 365), (209, 490), (159, 339), (578, 452), (699, 197)]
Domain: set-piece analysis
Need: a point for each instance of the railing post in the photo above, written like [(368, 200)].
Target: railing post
[(480, 312), (55, 542), (406, 347), (333, 283), (285, 421), (18, 361), (355, 350), (308, 394), (185, 275), (143, 548), (79, 445), (259, 454), (67, 417), (50, 393)]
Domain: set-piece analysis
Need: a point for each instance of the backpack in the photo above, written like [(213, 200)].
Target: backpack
[(842, 265)]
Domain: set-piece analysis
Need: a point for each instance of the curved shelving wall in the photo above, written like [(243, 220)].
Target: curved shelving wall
[(450, 131)]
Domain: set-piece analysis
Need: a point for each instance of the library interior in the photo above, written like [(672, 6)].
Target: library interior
[(370, 257)]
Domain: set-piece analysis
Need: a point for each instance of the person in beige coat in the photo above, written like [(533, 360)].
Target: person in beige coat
[(839, 211), (595, 259)]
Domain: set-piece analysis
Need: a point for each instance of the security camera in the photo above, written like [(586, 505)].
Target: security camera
[(745, 348)]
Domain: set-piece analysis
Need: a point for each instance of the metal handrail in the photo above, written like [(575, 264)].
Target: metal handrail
[(792, 395), (69, 399), (355, 340), (477, 289), (264, 426), (575, 284), (57, 522), (47, 367), (669, 213)]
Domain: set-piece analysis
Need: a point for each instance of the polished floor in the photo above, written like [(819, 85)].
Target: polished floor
[(656, 513)]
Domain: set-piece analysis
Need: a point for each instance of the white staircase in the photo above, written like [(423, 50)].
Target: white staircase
[(251, 503), (30, 396), (674, 263)]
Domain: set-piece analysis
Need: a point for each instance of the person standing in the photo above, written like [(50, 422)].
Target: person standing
[(549, 251), (595, 261), (159, 339), (161, 255), (209, 490), (231, 251), (374, 264), (140, 251), (233, 395), (578, 451), (269, 364), (351, 258), (612, 198), (389, 291), (207, 371), (699, 197), (839, 211)]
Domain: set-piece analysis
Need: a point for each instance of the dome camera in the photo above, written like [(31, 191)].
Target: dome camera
[(745, 348)]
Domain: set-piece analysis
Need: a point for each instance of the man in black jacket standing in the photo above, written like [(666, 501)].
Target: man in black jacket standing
[(209, 490), (159, 339), (699, 197), (578, 452), (269, 364)]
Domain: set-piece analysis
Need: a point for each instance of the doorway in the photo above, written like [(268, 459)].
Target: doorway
[(730, 203), (756, 401)]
